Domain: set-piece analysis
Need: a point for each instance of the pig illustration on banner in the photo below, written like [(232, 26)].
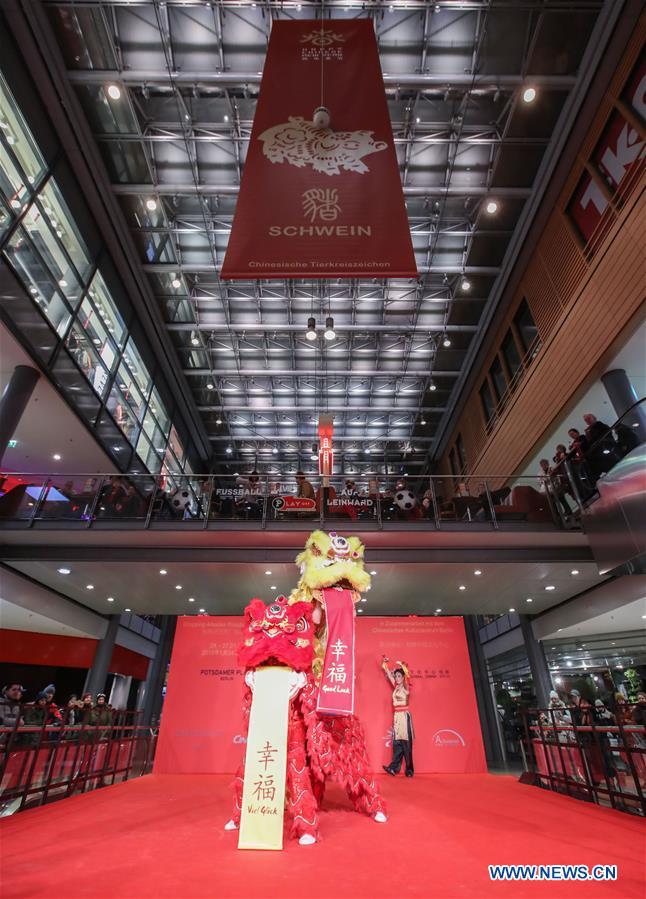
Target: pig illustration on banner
[(301, 143)]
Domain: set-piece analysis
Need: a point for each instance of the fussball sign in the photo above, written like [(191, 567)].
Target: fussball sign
[(321, 193)]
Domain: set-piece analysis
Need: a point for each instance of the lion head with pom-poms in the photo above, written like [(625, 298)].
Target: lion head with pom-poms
[(330, 560)]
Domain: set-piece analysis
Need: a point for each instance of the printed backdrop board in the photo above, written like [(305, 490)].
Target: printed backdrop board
[(321, 202), (201, 726)]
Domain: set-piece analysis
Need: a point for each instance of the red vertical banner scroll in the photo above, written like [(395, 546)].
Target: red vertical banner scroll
[(321, 201), (336, 694)]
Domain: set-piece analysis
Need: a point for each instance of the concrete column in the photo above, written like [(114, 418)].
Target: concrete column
[(484, 697), (537, 662), (14, 400), (622, 395), (157, 671), (98, 673)]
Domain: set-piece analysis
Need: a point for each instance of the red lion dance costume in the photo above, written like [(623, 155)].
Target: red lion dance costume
[(293, 633)]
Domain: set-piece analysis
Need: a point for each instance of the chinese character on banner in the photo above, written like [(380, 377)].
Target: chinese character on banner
[(337, 674), (266, 754), (264, 788), (338, 649)]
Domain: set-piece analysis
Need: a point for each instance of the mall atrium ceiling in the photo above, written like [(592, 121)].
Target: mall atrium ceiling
[(481, 97)]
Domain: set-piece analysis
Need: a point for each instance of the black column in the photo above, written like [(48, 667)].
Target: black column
[(14, 400), (484, 697), (622, 396), (98, 673), (537, 662), (157, 671)]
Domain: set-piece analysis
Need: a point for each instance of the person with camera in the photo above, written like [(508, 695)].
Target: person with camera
[(399, 679)]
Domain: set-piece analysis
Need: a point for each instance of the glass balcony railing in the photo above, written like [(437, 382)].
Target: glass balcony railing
[(167, 501)]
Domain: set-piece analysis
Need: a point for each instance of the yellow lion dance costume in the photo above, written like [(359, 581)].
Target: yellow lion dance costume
[(335, 744)]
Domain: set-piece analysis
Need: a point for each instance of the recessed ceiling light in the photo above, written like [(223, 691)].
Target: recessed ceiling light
[(210, 385), (218, 420), (56, 457), (110, 598), (512, 610), (114, 91), (643, 616), (529, 94), (202, 610), (176, 283), (89, 586), (62, 283), (438, 610), (273, 587), (462, 587), (373, 572), (228, 451), (178, 586), (151, 204), (128, 610), (69, 571), (574, 571), (529, 599), (550, 587), (268, 571), (477, 571), (363, 599), (191, 599), (163, 571)]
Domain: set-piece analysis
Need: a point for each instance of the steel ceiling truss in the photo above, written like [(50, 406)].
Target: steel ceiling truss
[(189, 73)]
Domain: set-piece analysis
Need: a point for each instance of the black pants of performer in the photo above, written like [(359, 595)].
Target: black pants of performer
[(403, 751)]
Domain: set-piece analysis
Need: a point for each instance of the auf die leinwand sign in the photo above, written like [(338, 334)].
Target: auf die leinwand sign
[(321, 201)]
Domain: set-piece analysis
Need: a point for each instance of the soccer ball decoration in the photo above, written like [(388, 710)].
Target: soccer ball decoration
[(405, 500), (180, 500)]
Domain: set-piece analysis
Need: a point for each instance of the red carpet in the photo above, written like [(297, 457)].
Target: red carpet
[(162, 836)]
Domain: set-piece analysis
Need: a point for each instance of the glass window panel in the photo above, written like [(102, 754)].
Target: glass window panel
[(124, 414), (130, 391), (175, 444), (19, 136), (94, 327), (527, 329), (461, 453), (155, 435), (38, 281), (137, 367), (498, 378), (11, 182), (510, 352), (86, 356), (63, 224), (158, 409), (452, 463), (106, 308), (147, 454), (487, 401), (51, 251), (5, 219)]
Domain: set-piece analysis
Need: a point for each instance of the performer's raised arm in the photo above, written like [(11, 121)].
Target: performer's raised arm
[(387, 671)]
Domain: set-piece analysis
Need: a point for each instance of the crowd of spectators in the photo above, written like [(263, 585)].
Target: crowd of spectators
[(84, 718), (590, 454)]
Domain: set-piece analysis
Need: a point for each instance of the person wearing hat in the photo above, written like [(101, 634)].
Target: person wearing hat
[(101, 716), (54, 716), (10, 704)]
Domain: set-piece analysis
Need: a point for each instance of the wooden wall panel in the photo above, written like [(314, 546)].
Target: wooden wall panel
[(580, 307)]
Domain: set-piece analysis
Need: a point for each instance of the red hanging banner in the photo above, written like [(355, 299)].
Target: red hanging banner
[(336, 696), (321, 197)]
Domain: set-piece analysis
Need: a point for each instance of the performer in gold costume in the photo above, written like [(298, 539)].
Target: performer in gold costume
[(399, 678)]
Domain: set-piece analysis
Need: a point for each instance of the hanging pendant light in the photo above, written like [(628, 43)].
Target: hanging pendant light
[(329, 332), (310, 334)]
